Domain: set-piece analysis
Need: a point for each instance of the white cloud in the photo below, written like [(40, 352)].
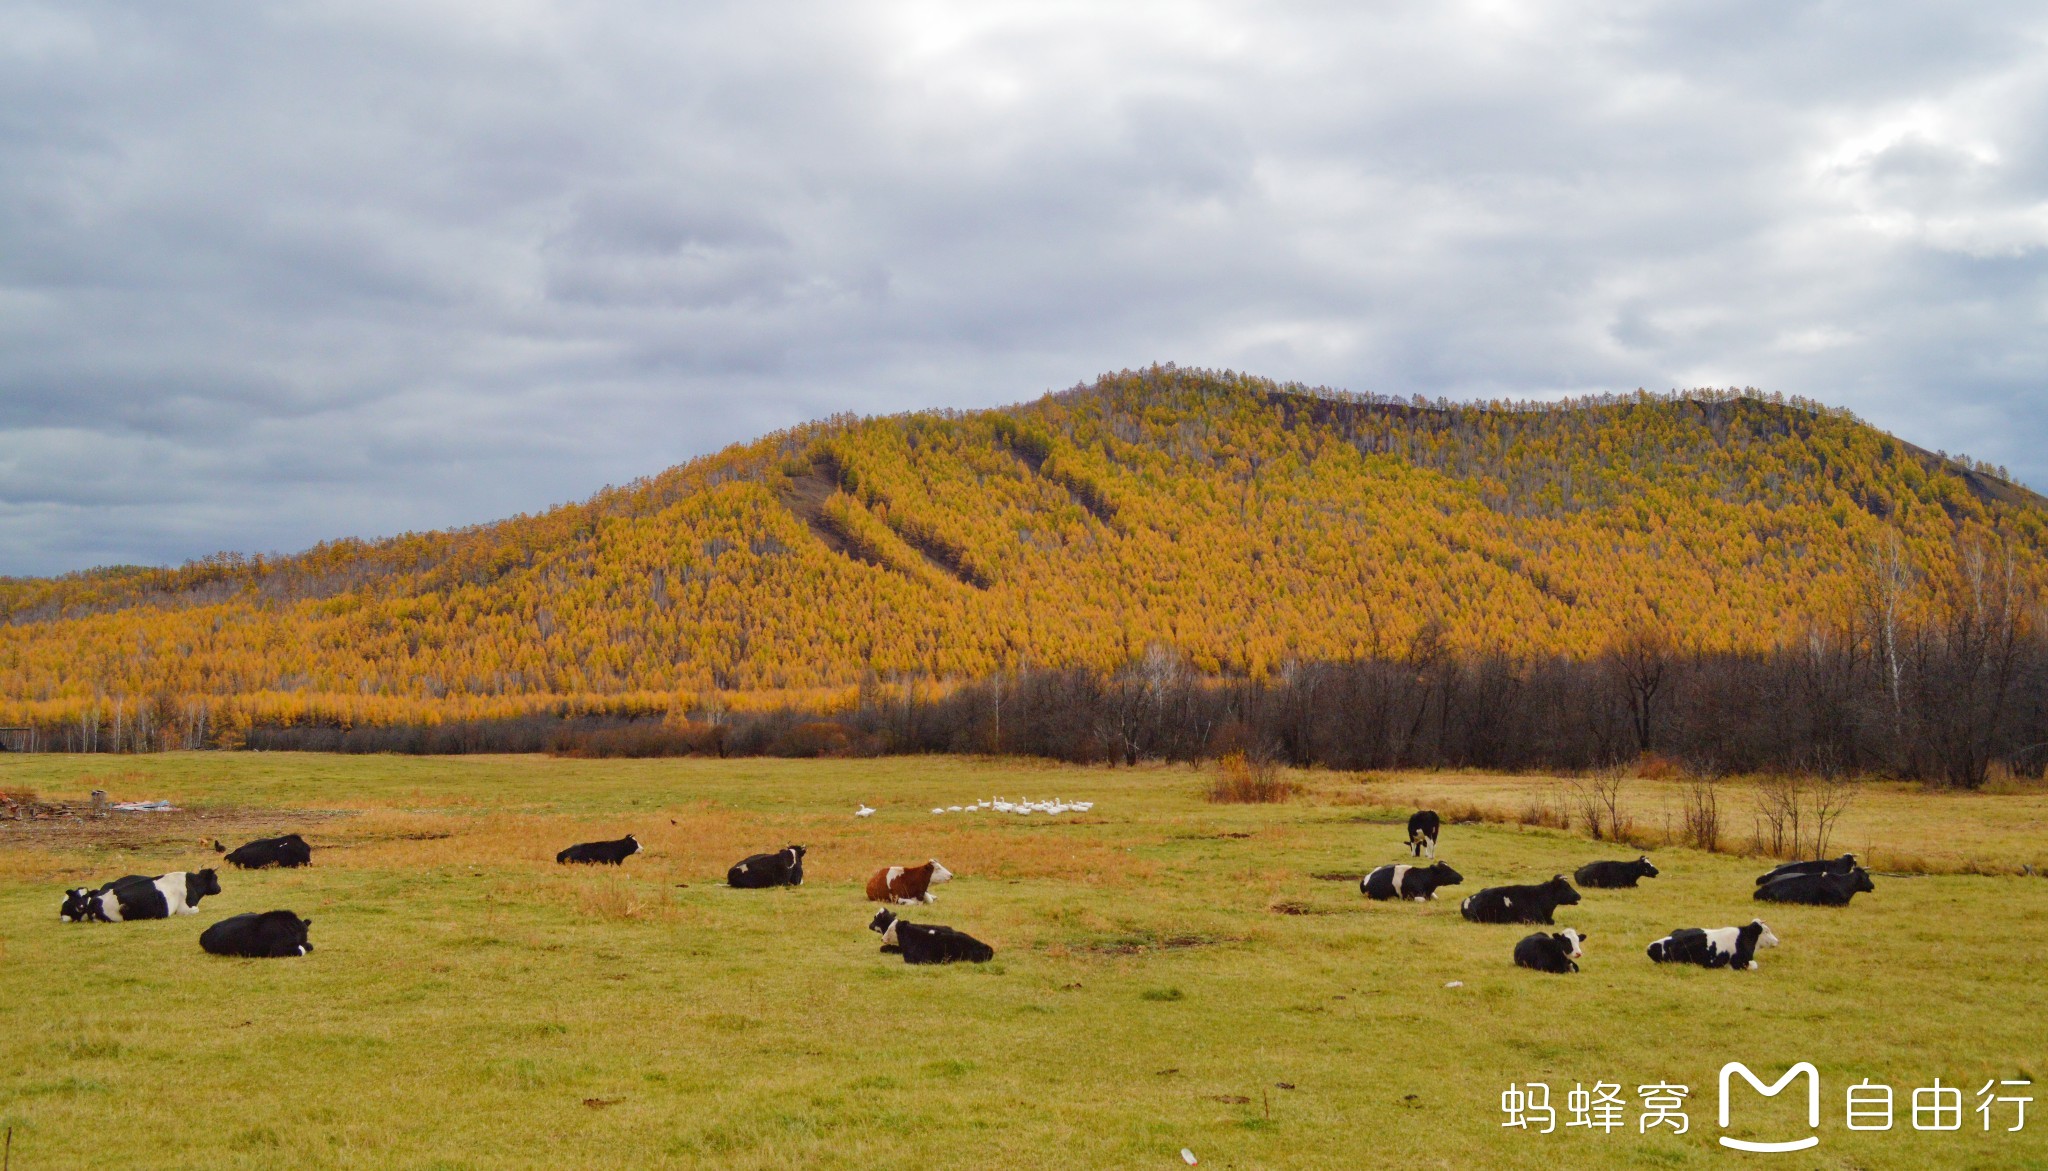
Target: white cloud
[(278, 273)]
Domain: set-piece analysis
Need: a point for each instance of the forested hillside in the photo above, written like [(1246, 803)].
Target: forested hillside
[(1243, 524)]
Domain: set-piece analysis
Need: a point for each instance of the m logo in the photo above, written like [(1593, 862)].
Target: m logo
[(1771, 1091)]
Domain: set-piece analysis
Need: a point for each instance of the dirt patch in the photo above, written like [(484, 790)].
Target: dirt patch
[(1336, 876), (1140, 944), (75, 827)]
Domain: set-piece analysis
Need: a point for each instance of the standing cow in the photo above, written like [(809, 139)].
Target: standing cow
[(1551, 952), (137, 896), (1733, 948), (1615, 875), (1423, 828), (1408, 882), (907, 884), (1816, 890), (785, 868), (1520, 904)]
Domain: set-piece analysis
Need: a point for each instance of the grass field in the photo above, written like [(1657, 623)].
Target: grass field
[(1169, 974)]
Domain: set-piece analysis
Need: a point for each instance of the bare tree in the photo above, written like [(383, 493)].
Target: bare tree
[(1639, 660)]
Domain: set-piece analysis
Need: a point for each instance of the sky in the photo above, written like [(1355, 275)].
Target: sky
[(272, 273)]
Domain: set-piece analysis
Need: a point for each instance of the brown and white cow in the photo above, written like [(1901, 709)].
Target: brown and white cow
[(906, 884)]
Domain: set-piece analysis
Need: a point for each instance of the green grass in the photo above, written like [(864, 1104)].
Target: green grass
[(1162, 966)]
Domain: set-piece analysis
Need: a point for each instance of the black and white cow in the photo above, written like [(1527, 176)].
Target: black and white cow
[(138, 896), (1422, 831), (289, 850), (1816, 890), (1520, 904), (601, 853), (1408, 882), (928, 943), (764, 870), (1842, 865), (1551, 951), (1718, 947), (258, 935), (1611, 875)]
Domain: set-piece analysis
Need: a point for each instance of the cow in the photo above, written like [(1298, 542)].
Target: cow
[(258, 935), (1733, 948), (601, 853), (1842, 865), (764, 870), (928, 943), (1519, 904), (907, 884), (1408, 882), (1614, 875), (138, 896), (1818, 890), (289, 850), (1422, 831), (1552, 951)]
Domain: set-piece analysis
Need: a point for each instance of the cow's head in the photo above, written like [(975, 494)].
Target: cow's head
[(1644, 868), (939, 873), (636, 844), (884, 925), (1571, 938), (1443, 875), (1764, 938), (77, 906), (200, 883), (1861, 881), (796, 854), (1562, 891)]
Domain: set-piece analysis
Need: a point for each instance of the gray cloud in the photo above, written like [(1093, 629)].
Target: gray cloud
[(275, 273)]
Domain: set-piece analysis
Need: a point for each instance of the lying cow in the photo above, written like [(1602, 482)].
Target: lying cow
[(765, 870), (1816, 890), (258, 935), (1613, 875), (907, 884), (1733, 948), (928, 943), (1551, 952), (1843, 865), (1422, 831), (1408, 882), (289, 850), (137, 896), (1520, 904), (601, 853)]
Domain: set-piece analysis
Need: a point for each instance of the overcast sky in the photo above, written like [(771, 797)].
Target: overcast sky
[(275, 272)]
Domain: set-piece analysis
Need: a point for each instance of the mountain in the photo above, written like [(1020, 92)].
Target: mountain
[(1245, 523)]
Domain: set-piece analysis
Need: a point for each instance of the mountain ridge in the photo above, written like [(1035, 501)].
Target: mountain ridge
[(1244, 523)]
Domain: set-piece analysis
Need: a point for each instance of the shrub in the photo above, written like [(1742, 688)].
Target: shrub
[(1244, 780)]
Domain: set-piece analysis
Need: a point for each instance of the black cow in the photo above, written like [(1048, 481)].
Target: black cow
[(928, 943), (1817, 890), (1551, 952), (289, 850), (764, 870), (1408, 882), (602, 853), (1733, 948), (1842, 865), (138, 896), (258, 935), (1612, 875), (1422, 831), (1520, 904)]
